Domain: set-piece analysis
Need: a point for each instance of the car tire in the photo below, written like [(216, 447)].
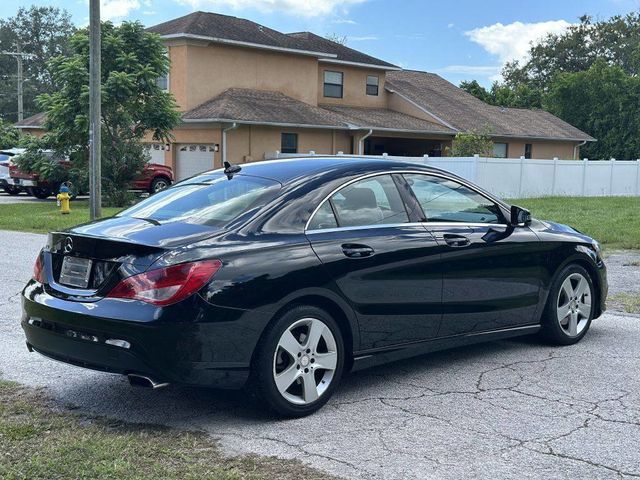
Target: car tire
[(277, 360), (158, 184), (569, 309), (41, 193), (12, 190)]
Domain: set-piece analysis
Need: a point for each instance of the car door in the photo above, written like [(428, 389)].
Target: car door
[(382, 262), (492, 270)]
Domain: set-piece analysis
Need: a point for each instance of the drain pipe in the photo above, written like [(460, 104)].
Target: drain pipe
[(361, 141), (575, 149), (233, 126)]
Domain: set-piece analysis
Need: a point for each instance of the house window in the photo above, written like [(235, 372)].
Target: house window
[(372, 85), (500, 150), (289, 143), (163, 81), (527, 150), (333, 84)]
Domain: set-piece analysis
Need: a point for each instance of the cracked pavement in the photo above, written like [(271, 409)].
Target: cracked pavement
[(497, 410)]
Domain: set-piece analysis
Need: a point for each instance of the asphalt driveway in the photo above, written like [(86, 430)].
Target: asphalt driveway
[(500, 410)]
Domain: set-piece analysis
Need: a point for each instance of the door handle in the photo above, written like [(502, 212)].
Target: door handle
[(353, 250), (456, 240)]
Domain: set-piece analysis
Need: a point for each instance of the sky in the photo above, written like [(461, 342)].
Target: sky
[(457, 39)]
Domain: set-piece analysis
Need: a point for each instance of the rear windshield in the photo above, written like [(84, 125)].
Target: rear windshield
[(215, 203)]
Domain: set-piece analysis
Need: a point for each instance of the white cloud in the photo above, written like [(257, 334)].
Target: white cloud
[(451, 25), (117, 9), (482, 70), (345, 21), (512, 41), (304, 8), (363, 38)]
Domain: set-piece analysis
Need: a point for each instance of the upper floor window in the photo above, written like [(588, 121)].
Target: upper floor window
[(333, 82), (527, 150), (163, 81), (289, 143), (372, 84)]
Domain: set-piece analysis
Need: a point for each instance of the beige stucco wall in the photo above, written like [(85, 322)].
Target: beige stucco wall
[(36, 132), (250, 143), (201, 71), (540, 149), (354, 83)]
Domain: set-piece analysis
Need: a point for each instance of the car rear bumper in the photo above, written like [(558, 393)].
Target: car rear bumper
[(214, 351)]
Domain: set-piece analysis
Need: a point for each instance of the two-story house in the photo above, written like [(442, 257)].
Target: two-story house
[(246, 91)]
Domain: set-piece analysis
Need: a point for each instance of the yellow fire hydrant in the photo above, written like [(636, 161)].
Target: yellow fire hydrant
[(63, 199)]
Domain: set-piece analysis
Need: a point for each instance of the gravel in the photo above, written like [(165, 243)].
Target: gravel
[(498, 410)]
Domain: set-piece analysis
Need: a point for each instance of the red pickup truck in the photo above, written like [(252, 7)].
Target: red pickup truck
[(152, 179)]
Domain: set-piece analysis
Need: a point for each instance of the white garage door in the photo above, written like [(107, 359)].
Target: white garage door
[(192, 159), (156, 152)]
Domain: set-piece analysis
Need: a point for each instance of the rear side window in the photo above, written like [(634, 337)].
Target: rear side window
[(444, 200), (372, 201), (215, 203)]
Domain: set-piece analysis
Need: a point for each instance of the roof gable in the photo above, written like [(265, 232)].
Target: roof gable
[(342, 52)]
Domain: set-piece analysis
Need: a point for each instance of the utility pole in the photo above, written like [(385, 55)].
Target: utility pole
[(20, 104), (19, 56), (95, 175)]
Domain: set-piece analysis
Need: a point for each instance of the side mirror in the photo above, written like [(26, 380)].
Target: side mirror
[(520, 216)]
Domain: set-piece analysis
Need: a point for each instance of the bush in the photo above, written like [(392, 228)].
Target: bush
[(468, 144)]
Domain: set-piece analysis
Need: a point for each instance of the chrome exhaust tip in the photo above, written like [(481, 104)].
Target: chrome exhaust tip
[(136, 380)]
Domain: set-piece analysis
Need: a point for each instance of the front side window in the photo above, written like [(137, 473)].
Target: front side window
[(372, 201), (333, 82), (444, 200), (372, 84), (214, 203), (163, 81), (289, 143)]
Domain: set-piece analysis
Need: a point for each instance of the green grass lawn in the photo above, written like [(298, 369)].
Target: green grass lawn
[(43, 217), (613, 221), (38, 441)]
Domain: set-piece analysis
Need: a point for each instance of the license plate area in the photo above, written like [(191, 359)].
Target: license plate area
[(75, 272)]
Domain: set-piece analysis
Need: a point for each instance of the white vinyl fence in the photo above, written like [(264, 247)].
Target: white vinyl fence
[(523, 178)]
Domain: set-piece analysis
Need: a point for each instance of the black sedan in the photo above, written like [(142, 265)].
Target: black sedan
[(282, 276)]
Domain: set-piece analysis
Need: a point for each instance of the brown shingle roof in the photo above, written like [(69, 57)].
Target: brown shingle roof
[(465, 112), (343, 53), (262, 107), (34, 121), (385, 119), (225, 27)]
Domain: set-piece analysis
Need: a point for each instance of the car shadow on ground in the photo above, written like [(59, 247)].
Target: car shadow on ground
[(111, 395)]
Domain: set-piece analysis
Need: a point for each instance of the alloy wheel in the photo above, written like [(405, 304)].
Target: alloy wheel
[(574, 304), (305, 361), (159, 185)]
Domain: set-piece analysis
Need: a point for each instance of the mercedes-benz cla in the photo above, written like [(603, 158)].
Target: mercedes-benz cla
[(282, 276)]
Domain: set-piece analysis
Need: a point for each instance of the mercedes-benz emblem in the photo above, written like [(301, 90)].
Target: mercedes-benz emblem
[(68, 245)]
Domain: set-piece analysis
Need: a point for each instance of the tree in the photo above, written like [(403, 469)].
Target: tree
[(9, 136), (616, 41), (522, 96), (132, 104), (337, 38), (604, 101), (41, 32), (468, 144)]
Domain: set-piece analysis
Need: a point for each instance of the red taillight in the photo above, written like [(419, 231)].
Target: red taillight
[(167, 285), (38, 269)]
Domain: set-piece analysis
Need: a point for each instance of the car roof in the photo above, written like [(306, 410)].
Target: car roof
[(288, 170)]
